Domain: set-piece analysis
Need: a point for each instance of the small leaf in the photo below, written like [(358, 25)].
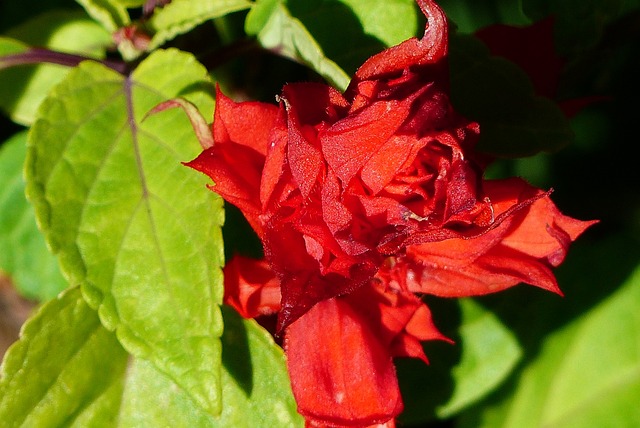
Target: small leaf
[(514, 122), (277, 30), (350, 31), (138, 230), (22, 89), (112, 14), (332, 37), (66, 369), (180, 16), (23, 252), (255, 387)]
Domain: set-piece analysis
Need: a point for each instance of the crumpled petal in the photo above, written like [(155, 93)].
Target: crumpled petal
[(523, 248)]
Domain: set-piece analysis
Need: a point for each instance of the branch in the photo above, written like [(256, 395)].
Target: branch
[(41, 56)]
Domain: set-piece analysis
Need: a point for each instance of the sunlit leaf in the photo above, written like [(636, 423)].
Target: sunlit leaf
[(131, 3), (139, 231), (180, 16), (66, 369), (489, 352), (255, 387), (23, 253)]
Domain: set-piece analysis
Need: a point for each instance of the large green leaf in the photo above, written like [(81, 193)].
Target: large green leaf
[(180, 16), (66, 369), (255, 387), (496, 93), (586, 374), (139, 231), (488, 353), (332, 37), (23, 252), (23, 88)]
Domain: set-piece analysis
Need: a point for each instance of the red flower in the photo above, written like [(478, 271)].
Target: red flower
[(361, 200)]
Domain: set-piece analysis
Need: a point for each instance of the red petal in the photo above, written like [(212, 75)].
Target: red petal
[(235, 163), (246, 123), (251, 287), (236, 171), (494, 271), (428, 50), (542, 226), (340, 371), (522, 248), (304, 155), (352, 141)]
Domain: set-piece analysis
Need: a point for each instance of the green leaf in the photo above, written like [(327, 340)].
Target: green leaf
[(489, 353), (66, 369), (332, 37), (585, 374), (285, 34), (350, 31), (139, 231), (22, 89), (180, 16), (23, 252), (111, 14), (514, 122), (255, 391)]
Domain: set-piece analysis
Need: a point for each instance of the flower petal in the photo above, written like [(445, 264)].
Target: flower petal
[(246, 123), (428, 50), (251, 287), (341, 373), (236, 161), (522, 248)]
